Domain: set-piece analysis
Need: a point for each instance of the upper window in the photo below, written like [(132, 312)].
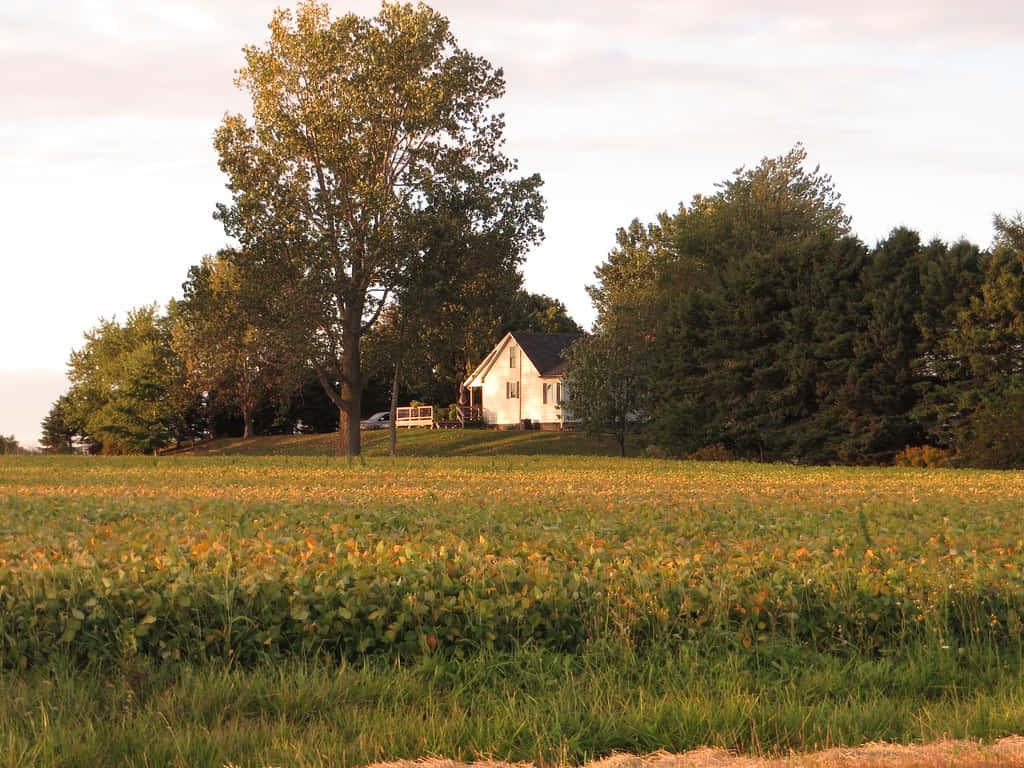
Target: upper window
[(511, 356)]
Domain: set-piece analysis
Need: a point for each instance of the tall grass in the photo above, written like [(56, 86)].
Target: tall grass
[(529, 705)]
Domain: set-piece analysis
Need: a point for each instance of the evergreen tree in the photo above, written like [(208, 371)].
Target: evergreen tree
[(59, 429), (730, 360)]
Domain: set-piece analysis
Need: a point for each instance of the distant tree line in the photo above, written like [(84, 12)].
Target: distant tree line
[(10, 446), (751, 323)]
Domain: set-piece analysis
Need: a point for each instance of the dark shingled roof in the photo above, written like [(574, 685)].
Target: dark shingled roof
[(545, 350)]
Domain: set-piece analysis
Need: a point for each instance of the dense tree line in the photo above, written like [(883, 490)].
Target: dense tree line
[(209, 366), (757, 324)]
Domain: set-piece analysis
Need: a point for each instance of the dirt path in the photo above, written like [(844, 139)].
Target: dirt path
[(1005, 753)]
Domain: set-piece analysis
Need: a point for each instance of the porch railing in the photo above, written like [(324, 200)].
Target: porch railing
[(415, 416), (469, 414)]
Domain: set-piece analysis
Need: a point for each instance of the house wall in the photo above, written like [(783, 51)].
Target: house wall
[(500, 410)]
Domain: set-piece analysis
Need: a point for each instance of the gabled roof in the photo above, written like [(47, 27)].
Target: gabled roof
[(543, 349)]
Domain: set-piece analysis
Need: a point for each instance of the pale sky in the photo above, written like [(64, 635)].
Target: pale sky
[(108, 177)]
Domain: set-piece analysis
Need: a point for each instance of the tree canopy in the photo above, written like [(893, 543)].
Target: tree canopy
[(360, 126), (231, 357), (126, 382), (759, 324)]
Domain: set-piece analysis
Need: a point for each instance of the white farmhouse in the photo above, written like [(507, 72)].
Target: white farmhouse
[(519, 383)]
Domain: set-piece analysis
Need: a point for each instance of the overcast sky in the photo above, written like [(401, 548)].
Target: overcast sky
[(108, 177)]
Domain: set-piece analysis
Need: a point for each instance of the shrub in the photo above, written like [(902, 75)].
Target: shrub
[(922, 456), (716, 452)]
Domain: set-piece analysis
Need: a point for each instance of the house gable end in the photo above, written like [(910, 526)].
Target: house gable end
[(545, 350), (476, 378)]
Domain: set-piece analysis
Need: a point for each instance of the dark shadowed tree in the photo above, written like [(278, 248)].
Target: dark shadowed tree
[(988, 342), (728, 359), (606, 381), (10, 446), (539, 313)]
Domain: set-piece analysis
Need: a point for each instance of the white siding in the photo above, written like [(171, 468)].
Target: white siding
[(501, 410)]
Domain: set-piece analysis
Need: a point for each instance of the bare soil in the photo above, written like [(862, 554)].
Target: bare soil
[(1004, 753)]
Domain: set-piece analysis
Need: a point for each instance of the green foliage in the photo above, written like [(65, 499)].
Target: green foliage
[(424, 443), (9, 445), (361, 128), (996, 437), (633, 275), (232, 358), (59, 429), (244, 561), (454, 298), (706, 299), (530, 707), (976, 353), (537, 313), (126, 382), (220, 611), (606, 380), (764, 327)]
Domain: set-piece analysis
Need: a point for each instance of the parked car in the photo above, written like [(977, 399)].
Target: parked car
[(380, 420)]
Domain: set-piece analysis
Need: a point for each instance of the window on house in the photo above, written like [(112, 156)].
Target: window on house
[(511, 356), (559, 393), (511, 390), (545, 392)]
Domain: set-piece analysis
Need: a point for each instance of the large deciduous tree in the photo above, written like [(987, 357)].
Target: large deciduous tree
[(358, 124)]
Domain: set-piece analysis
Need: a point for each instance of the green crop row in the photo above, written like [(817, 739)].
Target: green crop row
[(247, 561), (476, 601)]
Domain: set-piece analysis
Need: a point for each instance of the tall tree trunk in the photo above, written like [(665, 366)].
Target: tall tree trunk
[(351, 399), (393, 426), (247, 430)]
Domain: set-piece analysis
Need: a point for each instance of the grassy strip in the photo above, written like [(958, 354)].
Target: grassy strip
[(421, 443), (529, 705)]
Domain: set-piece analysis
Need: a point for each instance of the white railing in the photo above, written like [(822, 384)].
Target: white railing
[(415, 416)]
